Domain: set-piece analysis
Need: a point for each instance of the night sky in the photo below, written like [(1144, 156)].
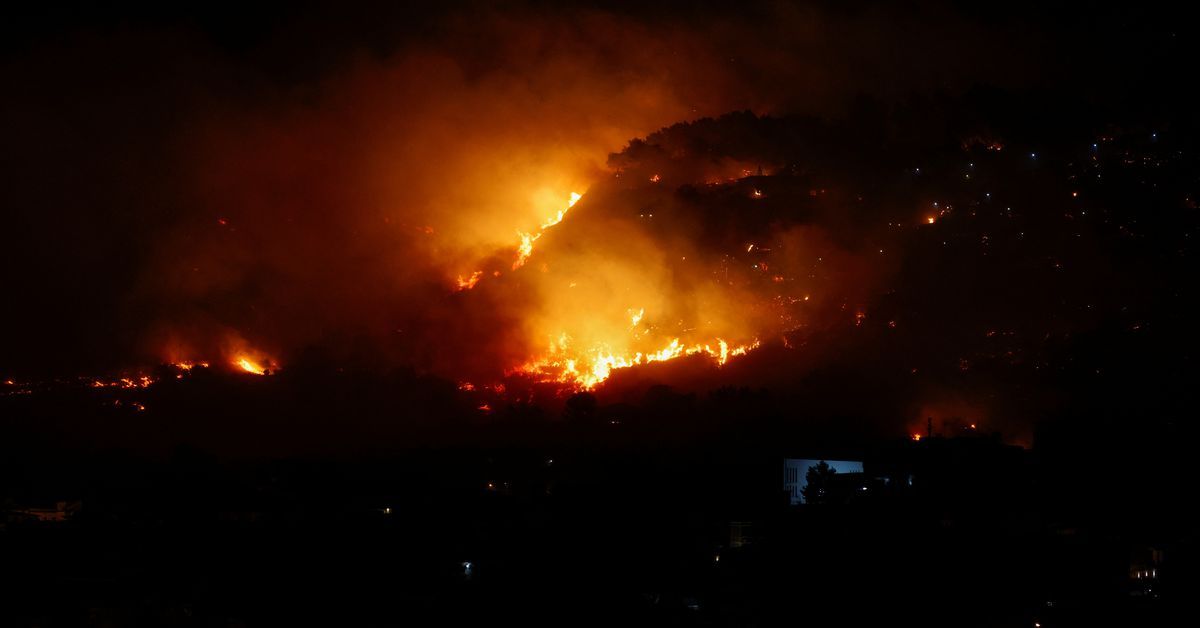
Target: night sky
[(982, 214)]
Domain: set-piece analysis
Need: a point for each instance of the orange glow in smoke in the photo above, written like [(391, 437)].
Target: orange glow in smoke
[(250, 366), (588, 368), (525, 247), (469, 282)]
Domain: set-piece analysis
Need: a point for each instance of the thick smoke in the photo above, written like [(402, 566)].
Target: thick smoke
[(307, 188), (301, 186), (319, 184)]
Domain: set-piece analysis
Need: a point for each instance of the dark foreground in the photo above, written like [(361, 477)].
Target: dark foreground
[(985, 535)]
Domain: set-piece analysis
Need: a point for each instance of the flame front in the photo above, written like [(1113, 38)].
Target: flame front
[(587, 369), (589, 339), (525, 242), (525, 248), (250, 366), (466, 283), (575, 196)]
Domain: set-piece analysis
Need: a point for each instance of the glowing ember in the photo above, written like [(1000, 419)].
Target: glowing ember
[(187, 366), (140, 381)]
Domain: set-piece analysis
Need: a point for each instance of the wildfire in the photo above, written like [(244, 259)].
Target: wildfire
[(187, 366), (525, 248), (250, 365), (586, 370), (469, 282), (141, 381), (575, 196)]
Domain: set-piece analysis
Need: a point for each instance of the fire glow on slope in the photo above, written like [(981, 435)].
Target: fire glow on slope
[(584, 369), (252, 361), (250, 366), (525, 249), (587, 369), (587, 342), (524, 245)]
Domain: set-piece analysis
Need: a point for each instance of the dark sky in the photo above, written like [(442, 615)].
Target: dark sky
[(184, 180)]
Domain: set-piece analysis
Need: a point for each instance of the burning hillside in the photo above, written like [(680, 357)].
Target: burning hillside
[(710, 260), (490, 203)]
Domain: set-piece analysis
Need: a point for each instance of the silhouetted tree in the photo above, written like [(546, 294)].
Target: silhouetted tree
[(818, 476)]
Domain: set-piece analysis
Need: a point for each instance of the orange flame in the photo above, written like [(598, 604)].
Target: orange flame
[(588, 369), (187, 366), (250, 365), (525, 248), (469, 282)]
